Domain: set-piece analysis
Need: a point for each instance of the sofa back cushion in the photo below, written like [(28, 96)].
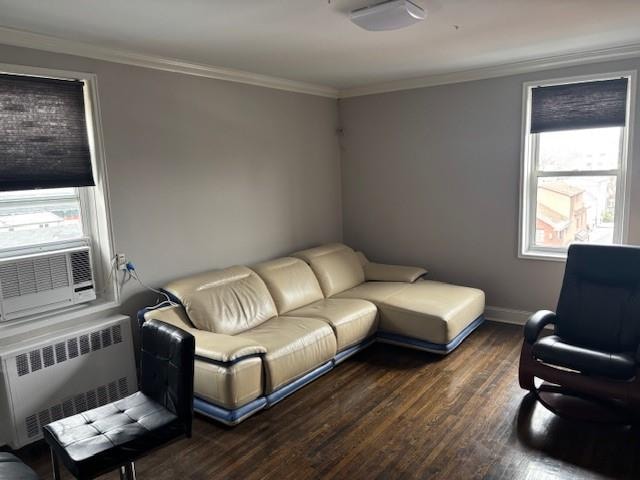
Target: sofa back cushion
[(291, 282), (336, 266), (225, 301)]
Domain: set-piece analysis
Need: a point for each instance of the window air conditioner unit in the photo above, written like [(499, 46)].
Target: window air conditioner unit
[(66, 372), (42, 282)]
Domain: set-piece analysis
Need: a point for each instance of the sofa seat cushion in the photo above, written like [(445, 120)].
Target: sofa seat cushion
[(294, 345), (553, 350), (376, 292), (435, 312), (353, 320)]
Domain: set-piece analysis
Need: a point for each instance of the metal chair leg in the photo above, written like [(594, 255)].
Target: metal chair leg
[(132, 471), (55, 466), (128, 472)]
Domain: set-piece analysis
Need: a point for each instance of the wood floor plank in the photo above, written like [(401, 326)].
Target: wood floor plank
[(395, 413)]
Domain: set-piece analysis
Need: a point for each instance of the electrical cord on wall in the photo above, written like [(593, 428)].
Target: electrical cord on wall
[(131, 270)]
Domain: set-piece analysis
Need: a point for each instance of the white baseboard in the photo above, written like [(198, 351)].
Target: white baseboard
[(506, 315)]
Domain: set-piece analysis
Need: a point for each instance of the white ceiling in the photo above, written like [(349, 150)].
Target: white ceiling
[(314, 41)]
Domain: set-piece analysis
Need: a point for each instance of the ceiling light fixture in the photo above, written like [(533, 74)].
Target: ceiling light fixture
[(388, 15)]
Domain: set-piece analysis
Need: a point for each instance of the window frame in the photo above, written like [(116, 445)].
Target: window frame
[(529, 173), (95, 210)]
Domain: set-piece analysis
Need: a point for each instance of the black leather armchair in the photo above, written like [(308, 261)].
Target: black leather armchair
[(593, 352), (116, 435)]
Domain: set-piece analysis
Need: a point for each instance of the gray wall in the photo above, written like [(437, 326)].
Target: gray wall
[(431, 177), (204, 173)]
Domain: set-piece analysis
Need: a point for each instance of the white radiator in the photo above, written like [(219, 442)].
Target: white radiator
[(64, 374)]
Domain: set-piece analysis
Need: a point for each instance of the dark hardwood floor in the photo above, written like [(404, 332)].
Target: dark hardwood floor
[(392, 413)]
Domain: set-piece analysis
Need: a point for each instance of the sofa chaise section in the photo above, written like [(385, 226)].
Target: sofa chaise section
[(429, 315), (413, 312)]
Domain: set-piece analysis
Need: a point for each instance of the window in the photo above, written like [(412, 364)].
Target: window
[(31, 218), (53, 189), (575, 163)]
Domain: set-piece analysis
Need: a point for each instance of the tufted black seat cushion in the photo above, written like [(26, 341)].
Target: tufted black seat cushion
[(11, 468), (553, 350), (114, 434)]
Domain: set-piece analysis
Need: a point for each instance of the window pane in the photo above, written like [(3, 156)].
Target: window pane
[(590, 149), (36, 217), (575, 209)]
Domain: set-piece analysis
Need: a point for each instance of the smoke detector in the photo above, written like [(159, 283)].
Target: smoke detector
[(388, 15)]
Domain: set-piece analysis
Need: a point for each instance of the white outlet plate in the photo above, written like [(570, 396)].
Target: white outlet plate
[(121, 261)]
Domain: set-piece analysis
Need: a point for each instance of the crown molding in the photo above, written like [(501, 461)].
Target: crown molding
[(21, 38), (503, 70)]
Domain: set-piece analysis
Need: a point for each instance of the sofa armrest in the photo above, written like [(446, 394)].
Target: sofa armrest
[(380, 272), (536, 323), (214, 347)]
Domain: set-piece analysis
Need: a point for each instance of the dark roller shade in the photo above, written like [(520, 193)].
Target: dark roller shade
[(579, 105), (43, 134)]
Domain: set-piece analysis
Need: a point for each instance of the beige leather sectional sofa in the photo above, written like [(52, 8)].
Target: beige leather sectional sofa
[(265, 331)]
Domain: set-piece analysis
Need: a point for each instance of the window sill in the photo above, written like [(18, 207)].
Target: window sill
[(51, 247), (34, 326), (540, 255)]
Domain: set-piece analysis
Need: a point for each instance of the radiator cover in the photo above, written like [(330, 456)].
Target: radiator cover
[(64, 374)]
